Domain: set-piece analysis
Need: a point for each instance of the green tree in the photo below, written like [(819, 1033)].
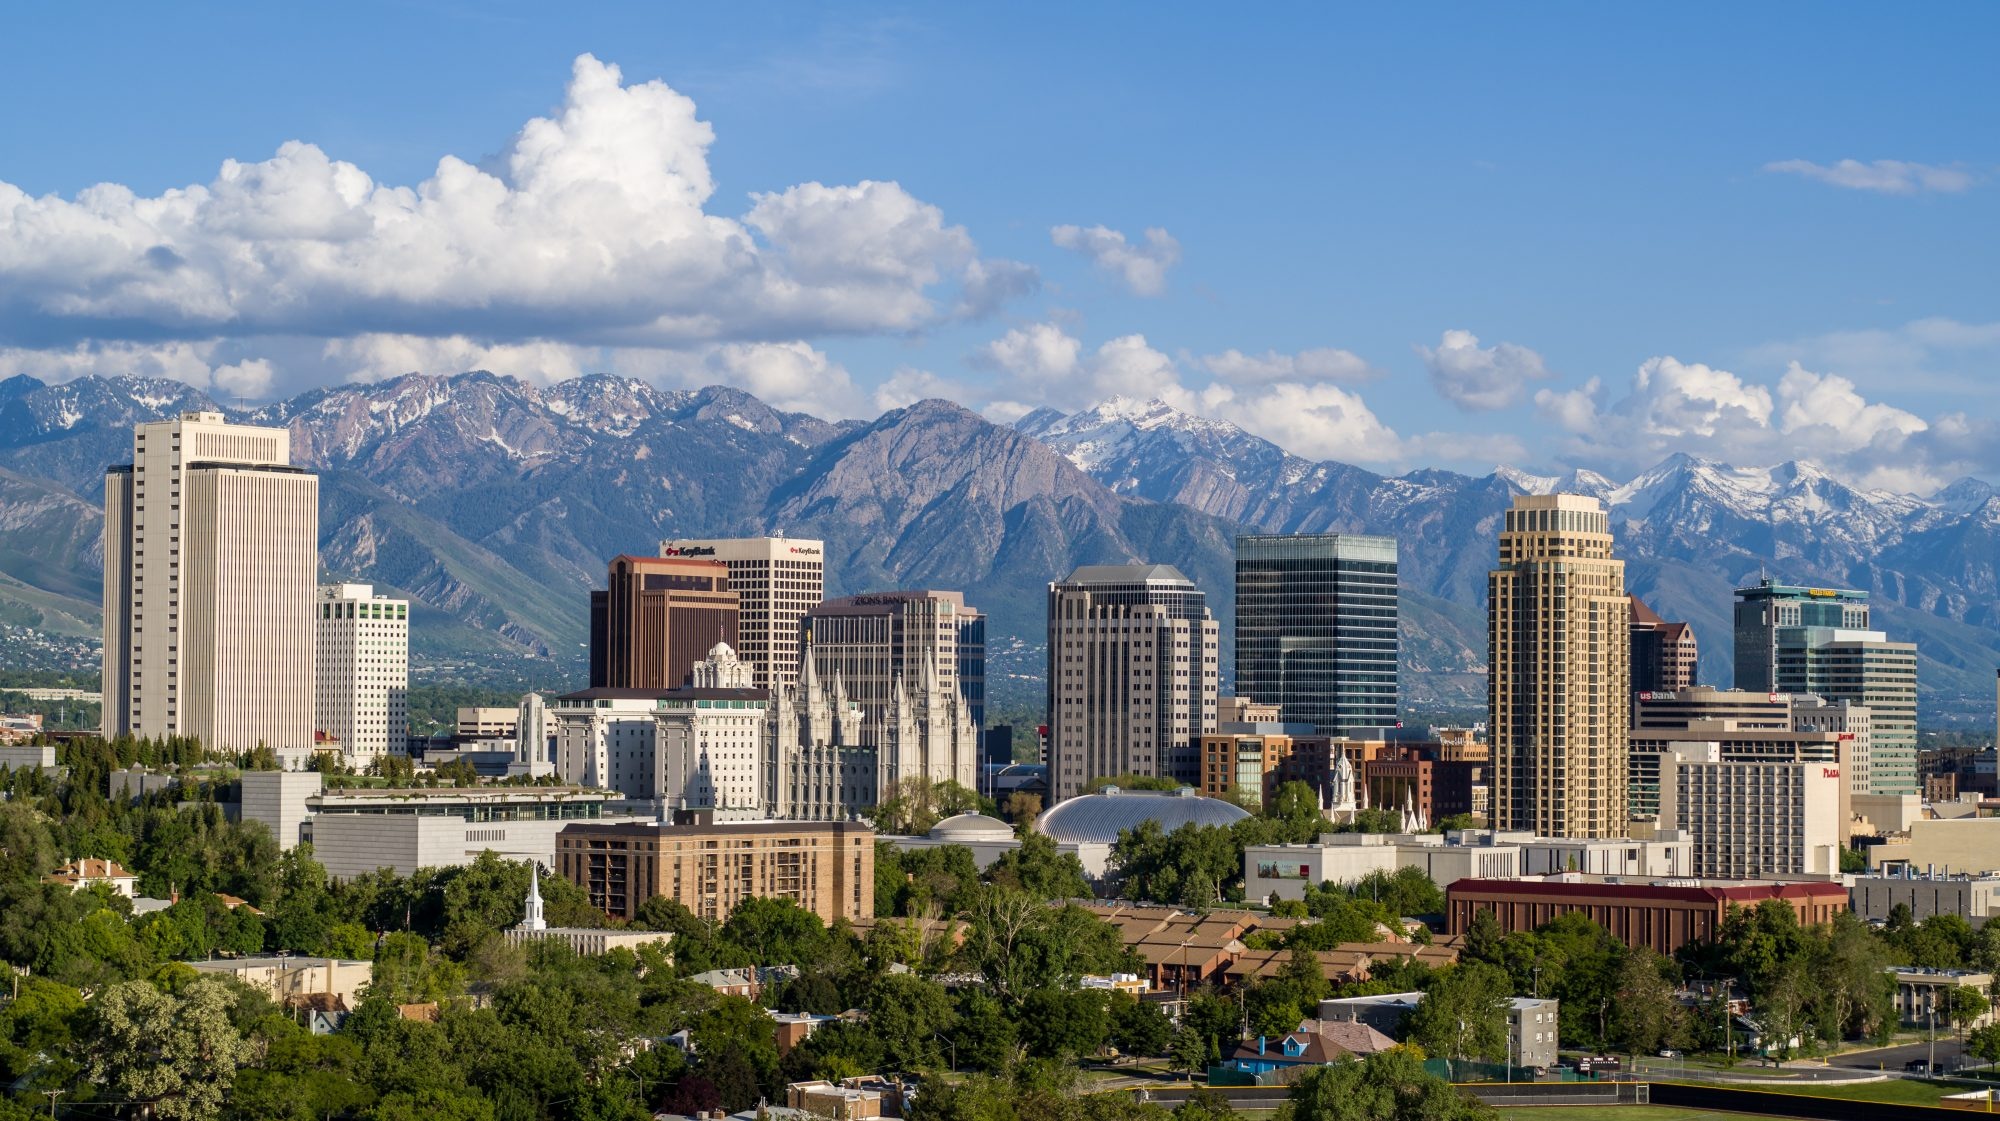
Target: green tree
[(1985, 1044), (1038, 868), (1388, 1086), (1644, 1015), (907, 1013), (775, 931), (1139, 1027), (983, 1035), (179, 1054), (1064, 1023), (1964, 1005), (1464, 1014)]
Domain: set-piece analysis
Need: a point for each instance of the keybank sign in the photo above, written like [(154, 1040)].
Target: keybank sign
[(688, 551)]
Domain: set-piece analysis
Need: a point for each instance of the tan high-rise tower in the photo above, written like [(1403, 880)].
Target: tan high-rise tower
[(1133, 675), (211, 558), (776, 581), (1559, 659)]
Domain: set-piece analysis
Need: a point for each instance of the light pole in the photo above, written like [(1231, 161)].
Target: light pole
[(1457, 1048), (954, 1050), (1930, 1064)]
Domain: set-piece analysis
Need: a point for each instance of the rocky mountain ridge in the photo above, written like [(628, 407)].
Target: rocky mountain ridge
[(494, 503)]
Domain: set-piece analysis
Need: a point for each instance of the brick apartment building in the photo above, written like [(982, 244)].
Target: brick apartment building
[(827, 867), (1661, 916)]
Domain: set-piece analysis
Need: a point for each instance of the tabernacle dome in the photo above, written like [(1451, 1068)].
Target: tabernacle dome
[(1097, 818)]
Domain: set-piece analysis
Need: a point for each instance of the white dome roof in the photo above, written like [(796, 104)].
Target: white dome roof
[(721, 652), (971, 827), (1097, 818)]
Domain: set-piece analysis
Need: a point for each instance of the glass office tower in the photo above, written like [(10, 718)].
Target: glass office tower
[(1316, 628)]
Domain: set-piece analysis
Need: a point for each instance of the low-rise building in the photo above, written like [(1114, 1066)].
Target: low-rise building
[(90, 871), (851, 1099), (827, 867), (1532, 1022), (1972, 898), (1285, 871), (1921, 995), (27, 755), (1934, 845), (1314, 1043), (295, 980), (1531, 1025), (583, 941), (1663, 915), (356, 830), (748, 982)]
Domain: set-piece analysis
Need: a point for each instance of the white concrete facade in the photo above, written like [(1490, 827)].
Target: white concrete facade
[(1284, 871), (1750, 820), (362, 671), (607, 742), (210, 562)]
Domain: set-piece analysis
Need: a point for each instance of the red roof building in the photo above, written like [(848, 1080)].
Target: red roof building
[(1662, 915)]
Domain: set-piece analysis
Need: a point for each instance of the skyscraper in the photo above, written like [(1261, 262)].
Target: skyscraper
[(656, 618), (1316, 628), (1766, 610), (1817, 640), (211, 558), (1559, 680), (1664, 655), (362, 671), (776, 580), (1133, 674), (915, 658)]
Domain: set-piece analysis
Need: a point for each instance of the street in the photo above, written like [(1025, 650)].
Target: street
[(1950, 1052)]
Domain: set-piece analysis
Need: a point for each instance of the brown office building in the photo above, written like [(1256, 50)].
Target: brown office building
[(1665, 656), (1662, 917), (827, 867), (656, 619)]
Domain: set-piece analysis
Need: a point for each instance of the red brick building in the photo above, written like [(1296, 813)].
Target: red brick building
[(1662, 917)]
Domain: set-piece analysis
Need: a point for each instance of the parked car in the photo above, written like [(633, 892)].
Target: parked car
[(1669, 1053), (1923, 1066)]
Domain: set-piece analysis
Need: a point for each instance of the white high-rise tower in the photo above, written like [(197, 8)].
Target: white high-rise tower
[(362, 686), (211, 559)]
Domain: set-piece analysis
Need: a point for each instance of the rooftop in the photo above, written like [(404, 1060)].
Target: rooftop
[(1128, 574), (1099, 818)]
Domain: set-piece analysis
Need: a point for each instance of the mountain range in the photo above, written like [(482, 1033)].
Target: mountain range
[(494, 504)]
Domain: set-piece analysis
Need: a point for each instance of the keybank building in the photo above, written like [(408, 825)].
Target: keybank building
[(1316, 628)]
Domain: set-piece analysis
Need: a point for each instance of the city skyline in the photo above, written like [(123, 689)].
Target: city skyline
[(1496, 295)]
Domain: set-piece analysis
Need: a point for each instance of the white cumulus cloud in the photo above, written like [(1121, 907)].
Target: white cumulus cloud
[(1291, 400), (1314, 365), (1888, 177), (1675, 406), (1480, 379), (1142, 266), (592, 228)]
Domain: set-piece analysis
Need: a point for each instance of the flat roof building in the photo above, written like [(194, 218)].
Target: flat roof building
[(776, 581), (1133, 675), (827, 867), (1663, 915), (211, 558), (657, 617), (1316, 629), (1972, 898)]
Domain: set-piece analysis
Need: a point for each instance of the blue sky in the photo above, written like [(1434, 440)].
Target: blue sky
[(1648, 208)]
